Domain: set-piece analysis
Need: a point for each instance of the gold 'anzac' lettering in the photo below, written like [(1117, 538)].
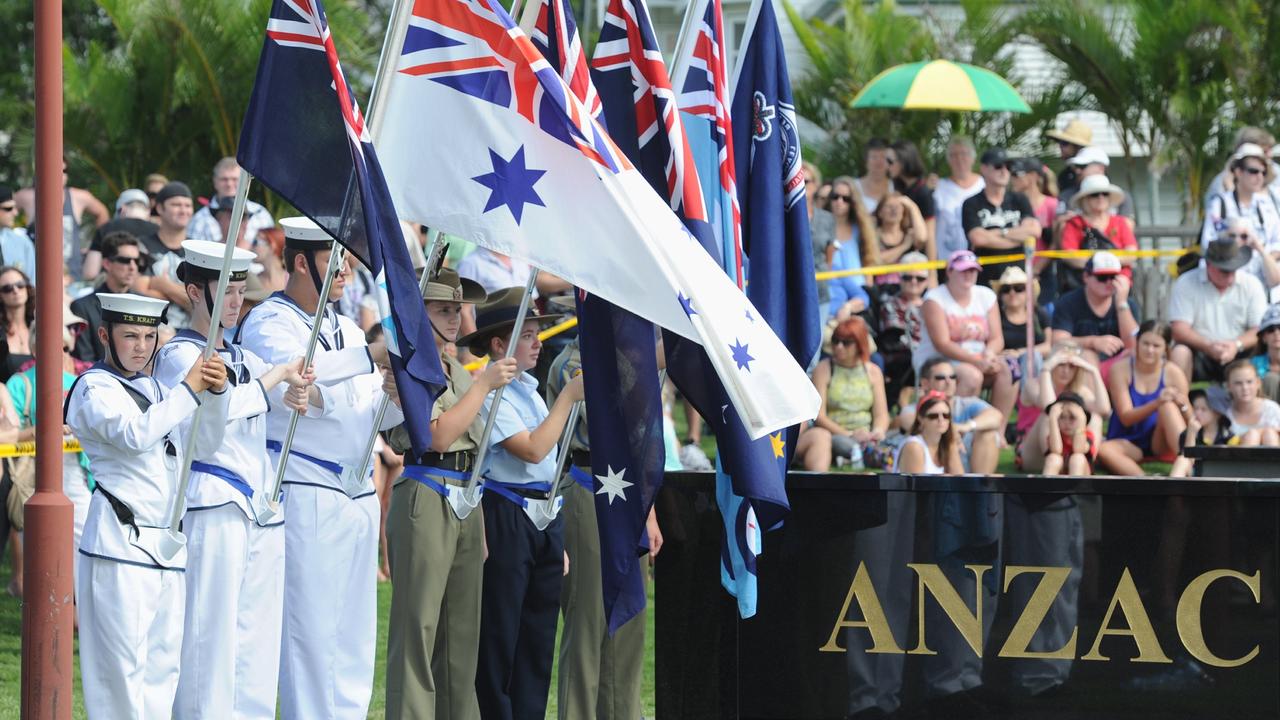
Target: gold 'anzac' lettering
[(1051, 581), (1139, 625), (873, 618), (969, 625), (1190, 630)]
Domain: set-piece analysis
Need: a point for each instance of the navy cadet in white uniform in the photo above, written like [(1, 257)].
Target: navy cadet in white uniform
[(520, 603), (131, 588), (331, 536), (235, 559)]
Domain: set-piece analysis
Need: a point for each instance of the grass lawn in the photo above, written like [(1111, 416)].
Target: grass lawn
[(11, 657)]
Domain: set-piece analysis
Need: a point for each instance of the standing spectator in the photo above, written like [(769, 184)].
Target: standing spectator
[(226, 181), (266, 273), (1066, 371), (1249, 199), (910, 179), (1254, 419), (1032, 179), (16, 249), (854, 409), (1215, 312), (899, 230), (1089, 161), (1098, 314), (951, 193), (822, 232), (997, 221), (133, 216), (1095, 227), (76, 203), (962, 324), (977, 423), (1149, 395), (1267, 361), (18, 319), (164, 249), (875, 185), (1071, 139), (854, 247), (122, 256), (902, 325), (1224, 182)]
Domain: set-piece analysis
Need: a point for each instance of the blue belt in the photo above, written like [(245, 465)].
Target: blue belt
[(332, 467), (231, 477), (583, 478), (507, 490), (424, 473)]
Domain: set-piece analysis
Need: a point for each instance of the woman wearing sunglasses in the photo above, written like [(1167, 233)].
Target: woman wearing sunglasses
[(853, 247), (1095, 227), (18, 318), (1011, 289), (854, 409), (933, 448)]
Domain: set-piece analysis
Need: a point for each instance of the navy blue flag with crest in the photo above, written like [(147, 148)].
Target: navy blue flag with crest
[(620, 366), (304, 138)]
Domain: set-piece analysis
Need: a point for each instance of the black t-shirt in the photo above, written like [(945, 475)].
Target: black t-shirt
[(1073, 314), (162, 258), (921, 195), (135, 227), (978, 212), (1015, 336)]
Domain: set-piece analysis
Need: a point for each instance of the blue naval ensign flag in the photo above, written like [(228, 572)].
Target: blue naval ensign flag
[(305, 138), (619, 362)]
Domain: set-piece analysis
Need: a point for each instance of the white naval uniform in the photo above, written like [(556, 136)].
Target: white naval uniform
[(235, 565), (331, 539), (130, 599)]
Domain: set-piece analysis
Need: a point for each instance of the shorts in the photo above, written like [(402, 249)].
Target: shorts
[(1206, 368)]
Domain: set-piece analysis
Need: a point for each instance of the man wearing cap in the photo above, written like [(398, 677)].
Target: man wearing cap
[(1091, 160), (1098, 315), (123, 260), (331, 537), (1071, 139), (16, 249), (235, 568), (164, 250), (226, 181), (997, 221), (437, 559), (522, 576), (130, 581), (1214, 312), (133, 216), (266, 274), (1250, 199)]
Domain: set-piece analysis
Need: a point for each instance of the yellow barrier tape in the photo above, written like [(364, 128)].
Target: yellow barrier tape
[(27, 449)]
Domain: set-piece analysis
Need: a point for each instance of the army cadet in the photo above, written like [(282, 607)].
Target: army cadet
[(131, 585)]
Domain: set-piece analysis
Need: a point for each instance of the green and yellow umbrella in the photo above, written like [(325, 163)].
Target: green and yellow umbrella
[(940, 85)]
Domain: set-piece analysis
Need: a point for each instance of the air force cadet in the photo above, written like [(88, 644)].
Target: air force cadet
[(437, 560), (521, 598), (131, 585), (331, 536), (235, 565)]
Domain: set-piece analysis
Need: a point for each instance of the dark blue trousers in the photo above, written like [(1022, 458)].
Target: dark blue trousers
[(519, 610)]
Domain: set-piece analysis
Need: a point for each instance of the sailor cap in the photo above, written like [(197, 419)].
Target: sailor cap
[(301, 233), (202, 259), (132, 309)]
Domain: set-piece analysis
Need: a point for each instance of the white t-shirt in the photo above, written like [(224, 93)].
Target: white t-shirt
[(868, 202), (1217, 315), (967, 323), (948, 197), (1268, 418)]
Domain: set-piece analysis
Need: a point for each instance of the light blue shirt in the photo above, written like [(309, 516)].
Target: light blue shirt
[(848, 257), (521, 409), (18, 251), (484, 267)]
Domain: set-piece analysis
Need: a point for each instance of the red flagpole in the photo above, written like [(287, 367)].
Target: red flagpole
[(48, 599)]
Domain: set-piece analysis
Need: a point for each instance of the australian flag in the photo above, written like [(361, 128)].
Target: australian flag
[(619, 360), (304, 138)]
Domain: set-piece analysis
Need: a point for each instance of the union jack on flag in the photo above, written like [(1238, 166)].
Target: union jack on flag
[(704, 94), (556, 36), (627, 42), (473, 46)]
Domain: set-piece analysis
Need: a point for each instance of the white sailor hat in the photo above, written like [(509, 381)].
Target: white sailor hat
[(301, 233), (202, 260), (132, 309)]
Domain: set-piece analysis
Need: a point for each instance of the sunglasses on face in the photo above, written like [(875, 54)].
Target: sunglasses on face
[(1005, 289), (938, 416), (999, 166), (915, 278), (842, 197), (137, 261), (846, 342), (1100, 195), (13, 287), (944, 378), (1253, 170), (1105, 278)]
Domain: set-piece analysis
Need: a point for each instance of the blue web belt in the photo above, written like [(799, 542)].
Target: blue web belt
[(507, 490), (232, 479), (425, 473), (583, 478), (333, 467)]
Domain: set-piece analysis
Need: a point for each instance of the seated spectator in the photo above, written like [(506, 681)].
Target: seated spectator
[(1215, 311), (853, 247), (962, 324), (1267, 361), (1262, 264), (978, 424), (1012, 289), (1225, 182), (911, 179), (901, 325), (1098, 315), (1249, 200), (16, 248), (1065, 372), (997, 220), (899, 230), (133, 216), (1069, 443), (1030, 177), (1096, 227), (931, 447), (122, 256), (854, 409), (1254, 419), (1149, 395), (1208, 426), (17, 319)]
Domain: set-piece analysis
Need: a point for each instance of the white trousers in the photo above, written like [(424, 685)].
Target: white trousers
[(235, 598), (330, 604), (130, 638)]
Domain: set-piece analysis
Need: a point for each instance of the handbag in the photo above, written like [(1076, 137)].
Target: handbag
[(21, 472)]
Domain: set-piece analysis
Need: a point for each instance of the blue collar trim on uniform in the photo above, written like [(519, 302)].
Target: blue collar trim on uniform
[(329, 312)]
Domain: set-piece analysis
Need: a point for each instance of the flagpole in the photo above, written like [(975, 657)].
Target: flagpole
[(680, 68), (469, 491), (396, 30), (175, 540), (565, 439), (752, 16), (433, 241)]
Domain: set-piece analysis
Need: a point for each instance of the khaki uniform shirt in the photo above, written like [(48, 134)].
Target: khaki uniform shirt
[(563, 368), (459, 382)]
